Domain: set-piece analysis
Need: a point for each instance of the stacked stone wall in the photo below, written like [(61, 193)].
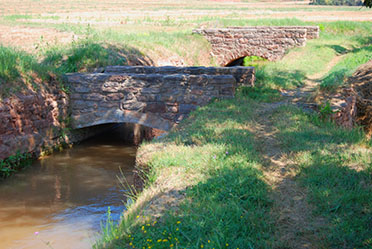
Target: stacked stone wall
[(30, 122), (244, 76)]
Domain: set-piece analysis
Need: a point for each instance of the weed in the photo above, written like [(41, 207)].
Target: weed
[(325, 111), (14, 163)]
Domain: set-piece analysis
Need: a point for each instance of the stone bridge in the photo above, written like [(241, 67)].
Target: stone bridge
[(230, 45), (157, 97)]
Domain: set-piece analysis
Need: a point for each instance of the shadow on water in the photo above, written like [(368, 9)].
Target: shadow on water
[(65, 195)]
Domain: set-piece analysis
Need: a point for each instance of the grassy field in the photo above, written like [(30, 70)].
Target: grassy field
[(241, 173)]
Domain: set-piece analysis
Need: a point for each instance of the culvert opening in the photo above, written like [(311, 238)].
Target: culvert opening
[(247, 61), (125, 133)]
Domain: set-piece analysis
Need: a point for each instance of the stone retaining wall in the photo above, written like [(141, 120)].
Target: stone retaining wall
[(36, 122), (230, 44), (30, 122)]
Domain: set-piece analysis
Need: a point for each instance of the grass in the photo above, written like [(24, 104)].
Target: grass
[(20, 70), (335, 167), (350, 40), (228, 204), (17, 70), (338, 75), (87, 54), (227, 190)]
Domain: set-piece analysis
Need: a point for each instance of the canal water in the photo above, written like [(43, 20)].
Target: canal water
[(62, 200)]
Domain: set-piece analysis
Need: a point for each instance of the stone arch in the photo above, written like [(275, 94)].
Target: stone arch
[(235, 56), (122, 116)]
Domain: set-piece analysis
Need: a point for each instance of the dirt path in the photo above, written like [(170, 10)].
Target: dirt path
[(296, 226), (301, 96)]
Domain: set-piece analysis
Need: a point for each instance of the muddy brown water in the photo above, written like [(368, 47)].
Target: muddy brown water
[(62, 200)]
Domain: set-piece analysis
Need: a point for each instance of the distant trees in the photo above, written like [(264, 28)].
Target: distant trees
[(366, 3), (339, 2)]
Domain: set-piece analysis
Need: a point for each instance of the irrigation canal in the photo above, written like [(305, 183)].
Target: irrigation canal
[(61, 200)]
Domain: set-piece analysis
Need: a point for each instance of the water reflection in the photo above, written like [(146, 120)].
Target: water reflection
[(64, 197)]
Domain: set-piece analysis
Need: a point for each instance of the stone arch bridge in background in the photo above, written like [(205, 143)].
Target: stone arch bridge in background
[(234, 43)]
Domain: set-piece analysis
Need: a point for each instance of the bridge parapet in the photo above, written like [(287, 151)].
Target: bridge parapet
[(244, 76), (154, 100)]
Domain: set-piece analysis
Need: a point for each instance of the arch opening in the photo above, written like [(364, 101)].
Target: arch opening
[(247, 61), (128, 133)]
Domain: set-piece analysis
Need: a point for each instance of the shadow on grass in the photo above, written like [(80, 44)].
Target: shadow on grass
[(337, 48), (280, 79), (364, 40), (228, 210), (343, 196), (269, 81), (335, 169)]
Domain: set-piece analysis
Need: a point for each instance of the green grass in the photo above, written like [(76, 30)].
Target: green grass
[(17, 17), (228, 201), (350, 39), (337, 76), (83, 55), (20, 70), (335, 166), (227, 206)]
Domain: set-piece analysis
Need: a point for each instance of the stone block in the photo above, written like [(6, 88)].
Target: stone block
[(155, 107), (186, 108)]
